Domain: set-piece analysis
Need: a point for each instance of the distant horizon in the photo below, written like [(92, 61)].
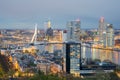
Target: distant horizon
[(32, 26), (52, 28), (53, 25)]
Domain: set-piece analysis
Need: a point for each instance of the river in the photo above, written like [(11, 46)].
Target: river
[(92, 53)]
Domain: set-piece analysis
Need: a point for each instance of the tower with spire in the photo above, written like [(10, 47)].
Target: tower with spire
[(49, 30)]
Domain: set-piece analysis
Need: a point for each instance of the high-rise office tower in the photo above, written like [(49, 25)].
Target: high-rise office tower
[(104, 40), (49, 36), (102, 29), (49, 30), (73, 30), (72, 57), (109, 35)]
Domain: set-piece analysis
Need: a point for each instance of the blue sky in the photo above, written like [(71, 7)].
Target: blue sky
[(24, 14)]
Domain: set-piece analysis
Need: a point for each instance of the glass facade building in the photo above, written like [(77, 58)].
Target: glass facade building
[(73, 30), (109, 35), (102, 30), (73, 53)]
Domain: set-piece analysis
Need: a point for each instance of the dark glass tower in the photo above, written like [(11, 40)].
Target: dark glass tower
[(73, 60)]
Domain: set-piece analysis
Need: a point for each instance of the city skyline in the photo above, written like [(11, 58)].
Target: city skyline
[(24, 14)]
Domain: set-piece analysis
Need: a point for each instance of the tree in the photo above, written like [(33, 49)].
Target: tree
[(11, 72), (103, 76), (1, 73), (113, 76), (40, 76)]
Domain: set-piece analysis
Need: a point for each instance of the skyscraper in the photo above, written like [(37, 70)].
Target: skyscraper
[(101, 30), (72, 57), (73, 30), (104, 40), (109, 35), (49, 30)]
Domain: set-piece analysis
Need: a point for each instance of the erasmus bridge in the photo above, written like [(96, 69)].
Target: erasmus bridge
[(41, 45)]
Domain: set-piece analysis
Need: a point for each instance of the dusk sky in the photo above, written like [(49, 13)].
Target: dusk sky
[(24, 14)]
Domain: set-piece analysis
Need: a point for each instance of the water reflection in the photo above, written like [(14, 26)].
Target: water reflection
[(92, 53)]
